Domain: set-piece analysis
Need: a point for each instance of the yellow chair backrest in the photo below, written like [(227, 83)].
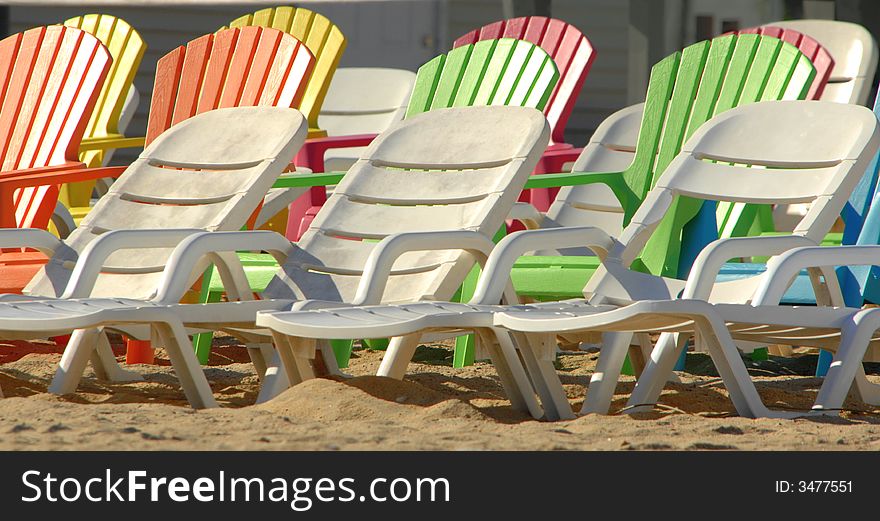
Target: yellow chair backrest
[(321, 36), (127, 49)]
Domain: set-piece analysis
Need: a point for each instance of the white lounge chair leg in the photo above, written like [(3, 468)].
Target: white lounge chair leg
[(727, 360), (186, 366), (398, 356), (258, 357), (513, 377), (105, 364), (329, 358), (73, 361), (544, 377), (866, 391), (296, 356), (656, 373), (275, 380), (846, 371), (613, 352)]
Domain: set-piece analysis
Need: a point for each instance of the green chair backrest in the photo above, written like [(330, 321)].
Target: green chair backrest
[(685, 90), (490, 72)]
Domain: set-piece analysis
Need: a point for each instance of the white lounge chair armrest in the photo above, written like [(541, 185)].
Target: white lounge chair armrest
[(710, 261), (382, 258), (496, 275), (37, 239), (527, 214), (782, 269), (220, 247), (91, 261)]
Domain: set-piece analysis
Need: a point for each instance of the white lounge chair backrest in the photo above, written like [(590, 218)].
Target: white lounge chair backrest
[(208, 172), (446, 169), (611, 148), (365, 100), (769, 152), (855, 57)]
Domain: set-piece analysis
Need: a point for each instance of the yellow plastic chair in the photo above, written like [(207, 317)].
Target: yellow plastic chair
[(103, 134), (321, 36)]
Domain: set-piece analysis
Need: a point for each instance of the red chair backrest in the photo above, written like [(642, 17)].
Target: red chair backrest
[(230, 68), (819, 55), (566, 44), (49, 81)]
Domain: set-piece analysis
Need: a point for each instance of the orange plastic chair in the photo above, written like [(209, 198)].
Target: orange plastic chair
[(234, 67), (49, 87)]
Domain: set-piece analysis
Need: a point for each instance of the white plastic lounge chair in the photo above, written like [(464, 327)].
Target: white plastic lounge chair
[(454, 173), (801, 163), (207, 173)]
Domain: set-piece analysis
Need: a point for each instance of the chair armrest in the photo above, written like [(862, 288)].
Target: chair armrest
[(710, 261), (614, 181), (44, 176), (30, 177), (554, 159), (294, 180), (216, 245), (530, 216), (382, 258), (312, 152), (492, 283), (782, 269), (34, 238), (92, 259), (42, 170), (111, 143)]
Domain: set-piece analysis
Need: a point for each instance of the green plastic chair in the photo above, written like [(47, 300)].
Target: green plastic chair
[(505, 71)]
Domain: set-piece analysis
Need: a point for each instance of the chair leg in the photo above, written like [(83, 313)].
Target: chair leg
[(139, 351), (513, 377), (186, 365), (846, 371), (657, 372), (275, 379), (398, 356), (296, 356), (726, 357), (105, 364), (544, 377), (73, 361), (604, 381), (329, 356)]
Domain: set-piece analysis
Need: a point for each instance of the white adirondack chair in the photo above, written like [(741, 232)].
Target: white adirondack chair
[(450, 173), (813, 152)]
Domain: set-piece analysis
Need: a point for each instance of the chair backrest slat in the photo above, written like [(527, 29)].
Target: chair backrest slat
[(233, 67), (321, 36), (571, 51), (490, 72)]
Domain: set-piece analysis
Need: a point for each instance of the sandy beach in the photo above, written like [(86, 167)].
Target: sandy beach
[(436, 407)]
